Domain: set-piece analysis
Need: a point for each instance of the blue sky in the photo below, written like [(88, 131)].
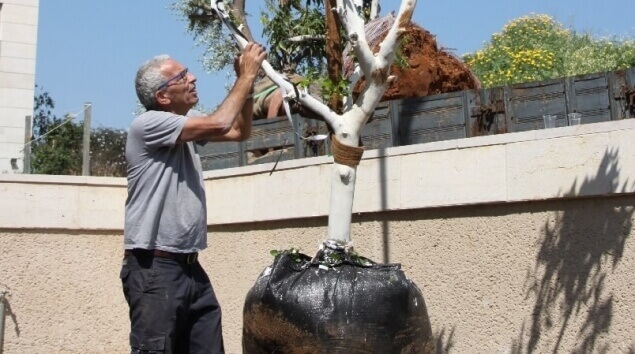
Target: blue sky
[(89, 51)]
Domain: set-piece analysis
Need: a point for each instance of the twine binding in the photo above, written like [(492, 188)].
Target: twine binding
[(345, 154)]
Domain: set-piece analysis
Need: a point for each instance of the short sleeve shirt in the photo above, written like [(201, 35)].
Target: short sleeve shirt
[(166, 207)]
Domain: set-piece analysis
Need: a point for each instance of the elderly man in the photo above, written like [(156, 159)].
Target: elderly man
[(173, 308)]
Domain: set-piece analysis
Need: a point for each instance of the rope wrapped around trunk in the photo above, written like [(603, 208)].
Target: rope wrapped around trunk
[(345, 154)]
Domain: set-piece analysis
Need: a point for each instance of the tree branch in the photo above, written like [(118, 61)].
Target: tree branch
[(307, 37), (354, 25), (379, 78), (238, 9)]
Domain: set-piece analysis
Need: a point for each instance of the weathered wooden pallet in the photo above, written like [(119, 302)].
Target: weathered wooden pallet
[(598, 97)]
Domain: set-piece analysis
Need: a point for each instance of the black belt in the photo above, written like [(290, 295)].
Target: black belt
[(187, 258)]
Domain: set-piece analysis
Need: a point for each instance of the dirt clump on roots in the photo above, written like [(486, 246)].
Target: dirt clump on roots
[(420, 67)]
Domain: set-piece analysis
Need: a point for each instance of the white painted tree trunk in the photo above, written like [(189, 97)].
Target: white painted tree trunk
[(374, 9), (343, 180), (375, 69)]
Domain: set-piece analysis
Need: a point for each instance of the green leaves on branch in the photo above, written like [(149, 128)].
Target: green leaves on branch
[(209, 34), (401, 59), (293, 253), (326, 85), (330, 88), (305, 25)]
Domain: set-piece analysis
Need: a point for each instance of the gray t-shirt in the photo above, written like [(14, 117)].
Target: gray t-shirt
[(165, 208)]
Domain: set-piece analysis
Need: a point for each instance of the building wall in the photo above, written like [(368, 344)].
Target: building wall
[(18, 41), (519, 242)]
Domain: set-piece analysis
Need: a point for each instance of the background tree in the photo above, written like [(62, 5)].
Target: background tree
[(56, 146), (589, 55), (208, 32), (59, 152), (536, 47), (43, 111), (295, 35), (107, 152), (294, 29)]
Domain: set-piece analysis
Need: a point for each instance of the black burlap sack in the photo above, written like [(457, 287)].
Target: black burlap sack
[(334, 303)]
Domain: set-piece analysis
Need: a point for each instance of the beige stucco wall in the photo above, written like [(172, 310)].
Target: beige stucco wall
[(517, 241)]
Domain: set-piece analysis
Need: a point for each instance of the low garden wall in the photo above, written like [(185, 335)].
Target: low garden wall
[(519, 242)]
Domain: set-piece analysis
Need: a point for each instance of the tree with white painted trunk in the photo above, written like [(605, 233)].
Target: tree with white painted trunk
[(347, 120), (338, 302)]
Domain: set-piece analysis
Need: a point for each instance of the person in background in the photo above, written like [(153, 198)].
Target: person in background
[(173, 308)]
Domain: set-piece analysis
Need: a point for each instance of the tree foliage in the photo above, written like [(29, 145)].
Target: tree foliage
[(305, 24), (537, 47), (209, 34), (59, 152), (593, 55), (293, 29), (108, 152), (56, 147)]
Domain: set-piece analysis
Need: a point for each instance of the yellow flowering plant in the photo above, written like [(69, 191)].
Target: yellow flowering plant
[(537, 47)]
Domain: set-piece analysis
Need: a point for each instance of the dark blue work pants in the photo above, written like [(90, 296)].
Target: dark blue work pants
[(173, 308)]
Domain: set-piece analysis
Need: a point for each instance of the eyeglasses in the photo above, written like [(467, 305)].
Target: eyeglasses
[(177, 79)]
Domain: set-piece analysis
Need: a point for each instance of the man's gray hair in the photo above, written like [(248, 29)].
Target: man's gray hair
[(148, 78)]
